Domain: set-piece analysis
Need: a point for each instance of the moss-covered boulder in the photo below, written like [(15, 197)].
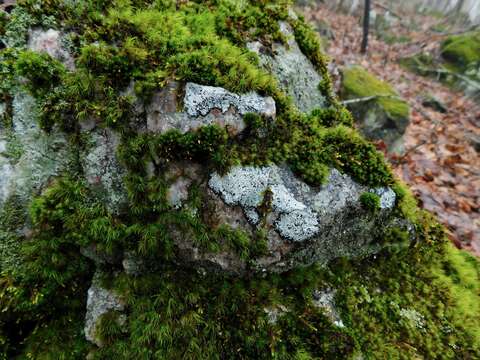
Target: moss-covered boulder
[(380, 114), (462, 50), (190, 195), (461, 54)]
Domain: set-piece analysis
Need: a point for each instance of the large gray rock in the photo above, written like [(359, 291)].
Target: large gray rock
[(285, 65), (204, 105), (31, 157)]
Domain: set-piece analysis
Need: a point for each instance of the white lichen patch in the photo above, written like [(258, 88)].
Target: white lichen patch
[(275, 312), (200, 100), (178, 192), (414, 317), (246, 186), (204, 106), (387, 197)]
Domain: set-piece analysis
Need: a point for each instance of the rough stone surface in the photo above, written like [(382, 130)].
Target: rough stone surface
[(29, 160), (302, 85), (246, 186), (325, 300), (387, 197), (102, 169), (99, 302), (39, 157), (200, 100), (274, 313), (305, 224), (50, 42), (204, 105), (99, 257)]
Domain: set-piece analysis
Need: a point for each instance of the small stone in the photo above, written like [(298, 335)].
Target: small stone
[(50, 42), (99, 302), (325, 300)]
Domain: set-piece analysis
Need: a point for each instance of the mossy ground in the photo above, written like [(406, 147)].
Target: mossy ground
[(180, 313), (358, 83)]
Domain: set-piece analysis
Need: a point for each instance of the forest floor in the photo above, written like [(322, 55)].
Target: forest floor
[(441, 164)]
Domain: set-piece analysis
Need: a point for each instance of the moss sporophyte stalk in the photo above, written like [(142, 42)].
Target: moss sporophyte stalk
[(416, 298)]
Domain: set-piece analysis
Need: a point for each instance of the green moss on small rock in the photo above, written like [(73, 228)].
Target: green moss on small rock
[(358, 83), (462, 50)]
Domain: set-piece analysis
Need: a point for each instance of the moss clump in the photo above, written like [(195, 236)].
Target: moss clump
[(358, 83), (41, 70), (462, 50), (370, 201), (409, 307)]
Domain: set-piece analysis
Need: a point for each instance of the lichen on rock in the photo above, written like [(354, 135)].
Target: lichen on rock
[(302, 86), (204, 106)]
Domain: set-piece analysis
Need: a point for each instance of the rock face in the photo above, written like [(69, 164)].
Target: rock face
[(302, 85), (303, 224), (202, 106), (102, 169), (299, 224), (29, 150)]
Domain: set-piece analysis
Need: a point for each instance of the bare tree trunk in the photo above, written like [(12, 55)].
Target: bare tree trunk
[(366, 26)]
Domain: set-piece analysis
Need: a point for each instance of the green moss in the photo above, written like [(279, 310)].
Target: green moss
[(358, 83), (109, 327), (16, 29), (42, 71), (406, 202), (462, 50), (370, 201)]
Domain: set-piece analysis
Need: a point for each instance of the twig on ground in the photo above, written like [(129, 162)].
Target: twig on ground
[(370, 98)]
